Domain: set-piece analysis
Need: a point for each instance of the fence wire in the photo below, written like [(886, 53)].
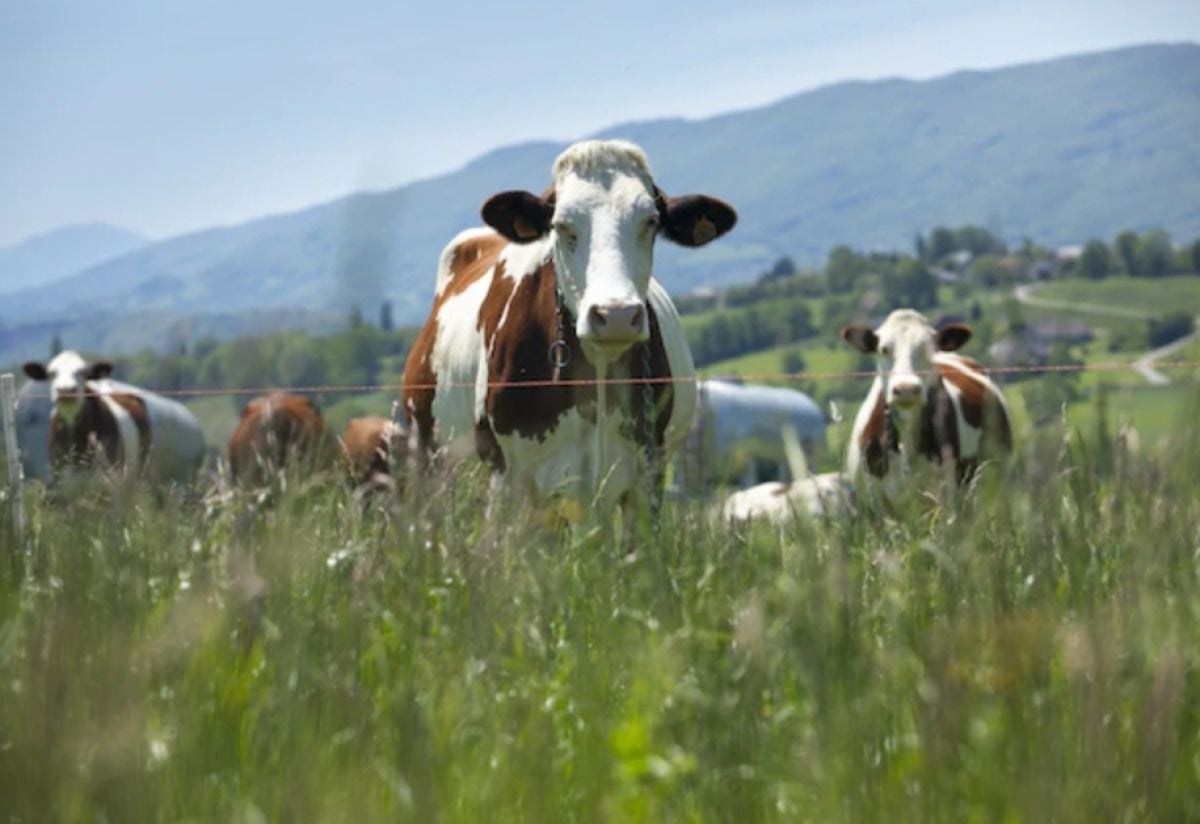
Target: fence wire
[(759, 377)]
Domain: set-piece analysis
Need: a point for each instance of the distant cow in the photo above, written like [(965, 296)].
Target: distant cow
[(926, 401), (828, 494), (371, 448), (277, 430), (558, 295), (98, 421)]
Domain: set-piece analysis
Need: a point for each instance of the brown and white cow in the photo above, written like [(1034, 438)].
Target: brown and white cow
[(372, 447), (277, 430), (926, 401), (98, 421), (559, 292)]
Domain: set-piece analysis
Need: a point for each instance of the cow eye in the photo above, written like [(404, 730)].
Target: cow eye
[(563, 229), (885, 350)]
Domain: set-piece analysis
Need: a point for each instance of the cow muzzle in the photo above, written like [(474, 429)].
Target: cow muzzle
[(66, 397), (906, 394), (614, 327)]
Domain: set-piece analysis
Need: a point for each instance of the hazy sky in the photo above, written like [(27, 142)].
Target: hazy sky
[(167, 115)]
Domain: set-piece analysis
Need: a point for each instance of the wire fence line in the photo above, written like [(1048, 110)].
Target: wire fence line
[(787, 377)]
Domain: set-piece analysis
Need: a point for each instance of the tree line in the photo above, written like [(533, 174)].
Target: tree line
[(783, 304)]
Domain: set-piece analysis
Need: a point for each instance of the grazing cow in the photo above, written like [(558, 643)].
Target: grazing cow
[(926, 400), (97, 420), (559, 294), (370, 447), (277, 430)]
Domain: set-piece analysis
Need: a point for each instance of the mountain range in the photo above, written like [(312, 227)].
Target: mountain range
[(1058, 151), (49, 257)]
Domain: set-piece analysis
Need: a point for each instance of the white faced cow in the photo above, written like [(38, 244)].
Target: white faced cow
[(99, 421), (556, 294), (926, 401)]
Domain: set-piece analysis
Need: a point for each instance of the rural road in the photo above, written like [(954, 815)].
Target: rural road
[(1144, 365), (1024, 294)]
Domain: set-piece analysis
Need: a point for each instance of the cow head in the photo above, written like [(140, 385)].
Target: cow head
[(904, 346), (68, 374), (602, 216)]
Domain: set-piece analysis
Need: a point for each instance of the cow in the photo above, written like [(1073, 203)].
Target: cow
[(277, 430), (827, 494), (558, 292), (96, 421), (926, 400), (371, 447)]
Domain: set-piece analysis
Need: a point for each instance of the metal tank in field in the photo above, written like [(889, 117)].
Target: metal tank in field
[(737, 435), (33, 429)]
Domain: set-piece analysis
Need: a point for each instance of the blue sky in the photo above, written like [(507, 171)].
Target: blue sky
[(166, 115)]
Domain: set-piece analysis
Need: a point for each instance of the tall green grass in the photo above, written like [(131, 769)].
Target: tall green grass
[(1029, 652)]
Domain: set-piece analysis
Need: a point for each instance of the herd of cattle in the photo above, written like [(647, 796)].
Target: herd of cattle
[(552, 355)]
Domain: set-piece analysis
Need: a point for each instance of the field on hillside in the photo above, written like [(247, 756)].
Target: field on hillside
[(1155, 295), (1153, 410), (1027, 653)]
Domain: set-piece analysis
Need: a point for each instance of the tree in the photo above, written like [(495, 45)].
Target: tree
[(1015, 313), (1155, 255), (843, 269), (785, 267), (910, 284), (978, 241), (919, 246), (1162, 331), (385, 316), (1196, 257), (204, 346), (793, 362), (941, 243), (355, 318), (987, 271), (1125, 245), (1096, 261), (56, 345)]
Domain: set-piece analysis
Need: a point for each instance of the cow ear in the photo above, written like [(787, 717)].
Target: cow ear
[(522, 217), (953, 337), (36, 371), (694, 220), (99, 370), (861, 338)]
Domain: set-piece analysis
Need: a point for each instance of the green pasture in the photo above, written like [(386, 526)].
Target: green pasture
[(1022, 651)]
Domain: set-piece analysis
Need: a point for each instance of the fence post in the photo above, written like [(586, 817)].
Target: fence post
[(8, 400)]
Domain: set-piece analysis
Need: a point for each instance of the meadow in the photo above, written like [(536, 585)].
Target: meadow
[(1024, 651)]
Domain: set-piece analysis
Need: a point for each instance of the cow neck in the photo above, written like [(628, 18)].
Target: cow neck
[(92, 420), (559, 354), (923, 434)]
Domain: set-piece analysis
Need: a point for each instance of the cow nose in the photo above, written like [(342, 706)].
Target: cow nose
[(616, 321), (906, 393)]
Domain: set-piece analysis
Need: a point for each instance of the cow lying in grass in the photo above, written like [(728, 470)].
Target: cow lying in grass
[(926, 402)]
